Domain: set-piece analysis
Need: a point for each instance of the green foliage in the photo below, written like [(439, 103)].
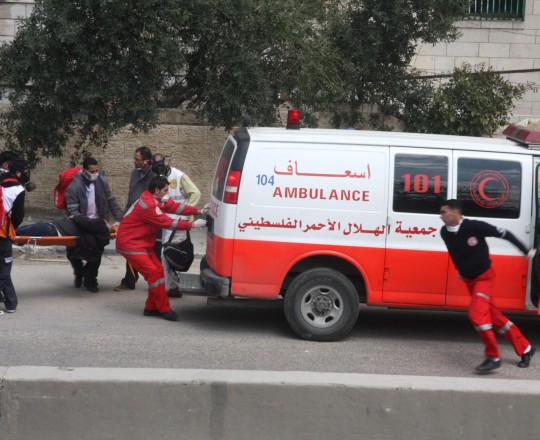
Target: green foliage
[(473, 102), (376, 41), (87, 68), (84, 69)]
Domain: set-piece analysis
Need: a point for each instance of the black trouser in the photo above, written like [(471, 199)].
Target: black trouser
[(6, 285), (88, 271), (132, 275)]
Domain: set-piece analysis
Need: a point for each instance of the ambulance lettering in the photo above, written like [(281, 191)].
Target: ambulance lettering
[(347, 173), (320, 194)]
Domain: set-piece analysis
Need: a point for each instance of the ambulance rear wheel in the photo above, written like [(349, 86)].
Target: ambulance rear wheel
[(203, 264), (321, 305)]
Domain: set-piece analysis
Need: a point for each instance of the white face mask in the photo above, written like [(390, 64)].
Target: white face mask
[(165, 197), (92, 177)]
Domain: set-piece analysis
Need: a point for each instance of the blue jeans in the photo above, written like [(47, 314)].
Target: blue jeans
[(39, 229)]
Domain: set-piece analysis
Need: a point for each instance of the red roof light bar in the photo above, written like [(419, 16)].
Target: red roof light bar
[(530, 138)]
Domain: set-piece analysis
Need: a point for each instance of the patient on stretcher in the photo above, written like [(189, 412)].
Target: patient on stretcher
[(92, 237)]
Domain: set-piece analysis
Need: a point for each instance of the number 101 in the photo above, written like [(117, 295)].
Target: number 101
[(420, 183)]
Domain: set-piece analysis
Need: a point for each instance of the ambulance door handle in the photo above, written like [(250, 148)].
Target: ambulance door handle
[(388, 221), (528, 228)]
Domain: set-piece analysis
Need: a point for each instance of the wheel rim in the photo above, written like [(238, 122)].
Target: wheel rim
[(322, 306)]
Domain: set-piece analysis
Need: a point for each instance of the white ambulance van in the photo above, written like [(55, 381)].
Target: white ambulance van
[(329, 219)]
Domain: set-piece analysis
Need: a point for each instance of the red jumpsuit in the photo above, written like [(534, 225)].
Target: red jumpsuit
[(469, 252), (135, 240), (485, 317)]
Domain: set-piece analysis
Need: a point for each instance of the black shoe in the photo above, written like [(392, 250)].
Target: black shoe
[(526, 357), (92, 288), (488, 365), (171, 315), (151, 313), (78, 281), (174, 293)]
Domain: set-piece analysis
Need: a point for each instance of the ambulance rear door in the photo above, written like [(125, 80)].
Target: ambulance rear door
[(223, 206), (416, 263)]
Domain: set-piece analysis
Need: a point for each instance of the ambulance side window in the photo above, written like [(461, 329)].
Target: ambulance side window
[(420, 183), (489, 188)]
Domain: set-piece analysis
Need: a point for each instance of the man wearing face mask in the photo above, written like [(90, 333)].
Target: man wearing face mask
[(181, 190), (137, 235), (89, 195), (141, 176), (13, 195)]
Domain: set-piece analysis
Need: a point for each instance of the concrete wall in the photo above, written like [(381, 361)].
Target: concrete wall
[(502, 45), (49, 403)]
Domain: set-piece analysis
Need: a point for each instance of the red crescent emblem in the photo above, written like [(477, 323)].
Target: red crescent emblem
[(481, 188), (489, 189)]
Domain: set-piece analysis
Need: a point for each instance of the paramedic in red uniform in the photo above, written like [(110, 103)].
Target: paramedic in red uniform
[(466, 243), (137, 235)]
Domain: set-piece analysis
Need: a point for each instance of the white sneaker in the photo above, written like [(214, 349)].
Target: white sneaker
[(10, 310)]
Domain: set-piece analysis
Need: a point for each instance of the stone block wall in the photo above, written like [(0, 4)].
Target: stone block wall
[(194, 149)]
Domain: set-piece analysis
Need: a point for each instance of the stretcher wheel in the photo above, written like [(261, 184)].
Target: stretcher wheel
[(322, 305)]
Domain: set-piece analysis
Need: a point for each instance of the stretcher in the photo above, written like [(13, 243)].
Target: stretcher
[(66, 240)]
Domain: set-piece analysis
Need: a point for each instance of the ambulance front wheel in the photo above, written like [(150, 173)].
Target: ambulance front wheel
[(321, 305)]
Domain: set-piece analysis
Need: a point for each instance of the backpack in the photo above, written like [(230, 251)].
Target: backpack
[(64, 179)]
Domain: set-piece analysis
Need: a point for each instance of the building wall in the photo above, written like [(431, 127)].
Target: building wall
[(503, 45), (10, 11)]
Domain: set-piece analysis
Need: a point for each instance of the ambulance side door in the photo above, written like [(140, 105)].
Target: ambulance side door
[(416, 261), (496, 188)]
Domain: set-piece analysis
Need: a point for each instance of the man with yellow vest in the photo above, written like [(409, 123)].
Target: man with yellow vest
[(11, 216)]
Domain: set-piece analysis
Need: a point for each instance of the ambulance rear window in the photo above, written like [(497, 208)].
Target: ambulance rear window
[(489, 188), (224, 163)]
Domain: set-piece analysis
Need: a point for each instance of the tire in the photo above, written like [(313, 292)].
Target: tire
[(321, 305), (204, 264)]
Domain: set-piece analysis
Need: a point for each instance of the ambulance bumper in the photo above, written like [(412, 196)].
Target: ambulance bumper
[(214, 284)]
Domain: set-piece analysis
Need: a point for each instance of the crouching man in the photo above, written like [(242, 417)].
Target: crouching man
[(137, 235)]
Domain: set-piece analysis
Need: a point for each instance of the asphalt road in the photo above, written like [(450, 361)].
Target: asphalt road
[(59, 325)]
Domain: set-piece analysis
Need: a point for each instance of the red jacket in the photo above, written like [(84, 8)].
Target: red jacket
[(139, 227)]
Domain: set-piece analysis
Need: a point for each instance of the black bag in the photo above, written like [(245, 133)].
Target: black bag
[(179, 256)]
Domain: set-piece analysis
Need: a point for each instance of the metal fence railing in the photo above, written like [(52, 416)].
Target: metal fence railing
[(496, 10)]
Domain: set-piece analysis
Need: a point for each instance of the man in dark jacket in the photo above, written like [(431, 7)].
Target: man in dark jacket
[(93, 235), (467, 246), (141, 176), (89, 195), (13, 195)]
